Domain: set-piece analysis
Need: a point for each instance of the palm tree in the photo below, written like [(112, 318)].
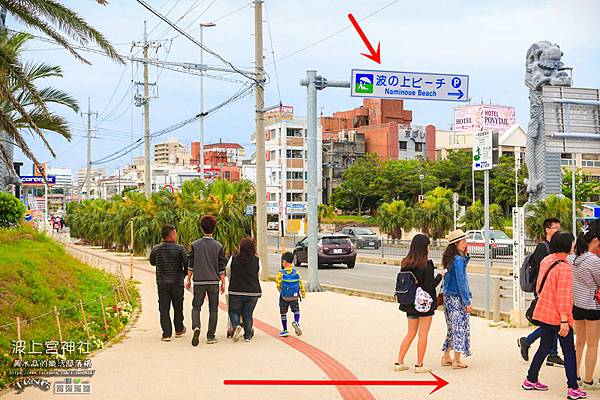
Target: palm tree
[(553, 206), (435, 214), (474, 217), (325, 212), (394, 218), (51, 18)]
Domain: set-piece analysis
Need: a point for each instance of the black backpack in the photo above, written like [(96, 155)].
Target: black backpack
[(406, 288), (527, 274)]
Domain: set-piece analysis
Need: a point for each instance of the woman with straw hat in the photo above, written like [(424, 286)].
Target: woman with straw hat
[(457, 301)]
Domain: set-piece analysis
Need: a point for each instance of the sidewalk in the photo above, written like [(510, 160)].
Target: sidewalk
[(345, 337)]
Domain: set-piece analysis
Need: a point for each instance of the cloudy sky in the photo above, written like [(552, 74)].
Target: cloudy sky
[(484, 39)]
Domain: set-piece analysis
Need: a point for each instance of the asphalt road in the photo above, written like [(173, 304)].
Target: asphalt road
[(381, 278)]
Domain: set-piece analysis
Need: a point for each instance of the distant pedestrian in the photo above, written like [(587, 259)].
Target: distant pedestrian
[(171, 263), (291, 290), (62, 223), (207, 271), (457, 301), (56, 224), (551, 225), (243, 271), (554, 310), (417, 262), (586, 310)]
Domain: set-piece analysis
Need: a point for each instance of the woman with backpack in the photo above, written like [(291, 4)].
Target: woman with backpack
[(457, 301), (586, 310), (417, 263), (243, 270), (553, 311)]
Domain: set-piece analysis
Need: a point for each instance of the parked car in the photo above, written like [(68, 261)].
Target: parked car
[(500, 244), (362, 237), (332, 249), (272, 226)]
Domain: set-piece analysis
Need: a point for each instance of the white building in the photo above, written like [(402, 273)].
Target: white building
[(286, 171), (64, 178)]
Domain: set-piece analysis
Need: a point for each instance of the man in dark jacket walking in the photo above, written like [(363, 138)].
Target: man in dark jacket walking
[(171, 263), (207, 272)]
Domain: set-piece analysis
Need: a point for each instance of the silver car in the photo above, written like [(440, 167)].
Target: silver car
[(500, 244)]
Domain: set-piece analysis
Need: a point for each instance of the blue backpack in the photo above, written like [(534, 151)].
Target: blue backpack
[(406, 288), (290, 283)]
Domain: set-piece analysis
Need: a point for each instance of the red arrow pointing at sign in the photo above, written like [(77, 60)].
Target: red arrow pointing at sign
[(438, 383), (375, 55)]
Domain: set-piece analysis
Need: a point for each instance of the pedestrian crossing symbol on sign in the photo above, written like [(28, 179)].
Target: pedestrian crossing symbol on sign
[(364, 83)]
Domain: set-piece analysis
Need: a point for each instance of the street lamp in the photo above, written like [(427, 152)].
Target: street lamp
[(421, 178), (202, 26)]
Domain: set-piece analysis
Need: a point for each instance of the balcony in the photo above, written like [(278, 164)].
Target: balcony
[(295, 185), (295, 163), (295, 141)]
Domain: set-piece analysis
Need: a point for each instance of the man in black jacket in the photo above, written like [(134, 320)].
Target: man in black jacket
[(171, 263), (551, 226)]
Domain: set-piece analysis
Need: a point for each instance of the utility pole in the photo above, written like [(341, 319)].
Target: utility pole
[(202, 26), (147, 171), (145, 101), (88, 172), (261, 179)]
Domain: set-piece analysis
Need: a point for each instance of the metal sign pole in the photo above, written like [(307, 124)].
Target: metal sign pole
[(486, 235)]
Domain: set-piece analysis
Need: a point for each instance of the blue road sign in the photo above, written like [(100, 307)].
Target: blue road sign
[(409, 85)]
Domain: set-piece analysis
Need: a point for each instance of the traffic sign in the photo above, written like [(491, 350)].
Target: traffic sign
[(169, 188), (249, 211), (409, 85), (482, 150)]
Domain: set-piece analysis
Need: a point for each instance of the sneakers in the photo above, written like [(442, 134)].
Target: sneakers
[(400, 367), (180, 334), (196, 337), (166, 338), (590, 386), (575, 394), (284, 333), (297, 328), (212, 340), (237, 334), (247, 339), (554, 361), (528, 385), (524, 346), (422, 370)]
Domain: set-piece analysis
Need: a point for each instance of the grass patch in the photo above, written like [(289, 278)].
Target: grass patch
[(36, 274)]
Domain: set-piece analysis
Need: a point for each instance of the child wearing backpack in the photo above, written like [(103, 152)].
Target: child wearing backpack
[(291, 290)]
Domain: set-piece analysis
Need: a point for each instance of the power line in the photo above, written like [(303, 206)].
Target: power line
[(244, 91), (197, 43), (273, 54), (334, 33)]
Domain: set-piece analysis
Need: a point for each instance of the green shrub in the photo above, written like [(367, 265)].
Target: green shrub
[(12, 210)]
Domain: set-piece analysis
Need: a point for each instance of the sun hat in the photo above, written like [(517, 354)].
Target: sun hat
[(456, 236)]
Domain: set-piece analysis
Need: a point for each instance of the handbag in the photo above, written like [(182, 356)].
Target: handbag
[(597, 296), (423, 301), (440, 299), (531, 308)]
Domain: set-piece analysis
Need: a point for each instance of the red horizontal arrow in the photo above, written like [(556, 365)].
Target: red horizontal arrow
[(438, 383), (375, 55)]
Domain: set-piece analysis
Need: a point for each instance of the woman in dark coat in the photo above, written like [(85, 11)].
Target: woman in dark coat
[(417, 262)]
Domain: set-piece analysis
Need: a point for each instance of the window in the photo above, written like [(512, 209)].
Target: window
[(295, 175), (294, 197), (402, 145), (294, 153), (419, 147), (477, 236), (294, 132)]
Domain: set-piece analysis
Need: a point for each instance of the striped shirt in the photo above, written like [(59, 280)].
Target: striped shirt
[(171, 262), (556, 298), (586, 280)]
